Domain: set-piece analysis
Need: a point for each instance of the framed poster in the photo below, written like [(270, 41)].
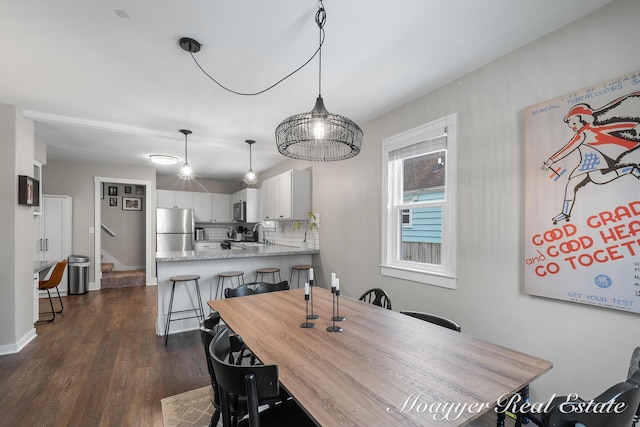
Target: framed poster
[(131, 204), (582, 196)]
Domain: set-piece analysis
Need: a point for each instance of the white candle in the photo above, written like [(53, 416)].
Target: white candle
[(311, 274), (337, 284), (306, 289), (333, 280)]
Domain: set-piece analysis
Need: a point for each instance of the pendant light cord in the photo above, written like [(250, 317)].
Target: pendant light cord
[(320, 20)]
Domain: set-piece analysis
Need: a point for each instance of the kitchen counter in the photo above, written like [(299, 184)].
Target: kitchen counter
[(208, 264), (238, 250), (39, 266)]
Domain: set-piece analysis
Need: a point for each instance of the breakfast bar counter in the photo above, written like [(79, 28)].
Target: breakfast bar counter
[(246, 257)]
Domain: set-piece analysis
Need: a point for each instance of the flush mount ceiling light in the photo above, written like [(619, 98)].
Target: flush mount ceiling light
[(250, 178), (319, 135), (163, 159), (186, 172)]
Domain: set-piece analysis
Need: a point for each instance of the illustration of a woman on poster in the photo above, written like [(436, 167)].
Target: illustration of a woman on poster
[(603, 138)]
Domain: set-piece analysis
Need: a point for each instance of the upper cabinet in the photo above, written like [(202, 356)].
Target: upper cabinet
[(287, 196), (175, 199), (212, 207), (251, 196)]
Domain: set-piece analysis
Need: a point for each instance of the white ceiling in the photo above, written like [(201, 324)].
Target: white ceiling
[(105, 88)]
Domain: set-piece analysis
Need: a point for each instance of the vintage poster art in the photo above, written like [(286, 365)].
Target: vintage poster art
[(582, 196)]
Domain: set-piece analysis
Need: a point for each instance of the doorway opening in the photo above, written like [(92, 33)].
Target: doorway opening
[(123, 232)]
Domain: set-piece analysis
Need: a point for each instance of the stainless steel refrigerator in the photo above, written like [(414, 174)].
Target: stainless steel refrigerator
[(174, 230)]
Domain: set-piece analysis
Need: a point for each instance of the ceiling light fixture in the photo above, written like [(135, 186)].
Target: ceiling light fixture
[(250, 178), (186, 172), (319, 135), (163, 159)]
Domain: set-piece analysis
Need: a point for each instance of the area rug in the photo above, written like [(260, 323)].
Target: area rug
[(190, 409)]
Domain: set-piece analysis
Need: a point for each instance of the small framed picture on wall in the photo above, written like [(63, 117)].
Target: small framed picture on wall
[(131, 204), (127, 189), (113, 191), (113, 201)]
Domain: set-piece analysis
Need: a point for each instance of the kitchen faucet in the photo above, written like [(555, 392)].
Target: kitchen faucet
[(264, 232)]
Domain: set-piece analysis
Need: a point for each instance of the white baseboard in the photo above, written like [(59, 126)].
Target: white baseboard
[(22, 343)]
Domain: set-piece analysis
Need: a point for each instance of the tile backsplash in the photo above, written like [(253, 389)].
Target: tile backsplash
[(277, 232)]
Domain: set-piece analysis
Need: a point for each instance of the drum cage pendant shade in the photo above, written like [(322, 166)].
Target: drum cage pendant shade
[(319, 135), (186, 172)]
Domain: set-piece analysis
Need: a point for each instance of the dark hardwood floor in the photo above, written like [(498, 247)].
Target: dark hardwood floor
[(100, 363)]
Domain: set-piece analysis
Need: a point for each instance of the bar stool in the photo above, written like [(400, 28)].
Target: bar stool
[(299, 269), (268, 270), (230, 275), (183, 279)]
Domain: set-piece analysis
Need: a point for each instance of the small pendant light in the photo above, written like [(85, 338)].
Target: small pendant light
[(250, 178), (186, 172)]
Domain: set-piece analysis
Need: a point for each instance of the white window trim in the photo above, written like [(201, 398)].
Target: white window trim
[(444, 275)]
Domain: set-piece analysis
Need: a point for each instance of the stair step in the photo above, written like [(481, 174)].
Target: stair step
[(106, 267), (122, 279)]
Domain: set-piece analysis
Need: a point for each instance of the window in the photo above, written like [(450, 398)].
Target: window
[(418, 212)]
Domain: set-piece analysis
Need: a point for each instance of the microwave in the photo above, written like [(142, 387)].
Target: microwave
[(239, 211)]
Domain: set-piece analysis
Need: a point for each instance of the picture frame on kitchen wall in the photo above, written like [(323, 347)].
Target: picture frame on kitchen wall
[(113, 191), (127, 189), (139, 190), (113, 201), (131, 204)]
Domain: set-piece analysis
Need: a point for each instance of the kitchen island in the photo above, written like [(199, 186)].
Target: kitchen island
[(247, 257)]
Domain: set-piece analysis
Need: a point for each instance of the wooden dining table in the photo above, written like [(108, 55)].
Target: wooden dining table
[(384, 369)]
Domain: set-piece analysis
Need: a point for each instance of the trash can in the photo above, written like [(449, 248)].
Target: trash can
[(78, 274)]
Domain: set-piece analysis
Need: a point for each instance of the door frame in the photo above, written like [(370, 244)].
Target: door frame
[(149, 202)]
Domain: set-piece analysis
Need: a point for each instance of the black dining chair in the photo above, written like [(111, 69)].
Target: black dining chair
[(569, 411), (258, 384), (265, 287), (240, 291), (376, 296), (209, 327), (434, 318), (634, 366)]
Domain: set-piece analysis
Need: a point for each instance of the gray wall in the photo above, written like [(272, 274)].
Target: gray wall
[(590, 347), (77, 180), (16, 231), (128, 245)]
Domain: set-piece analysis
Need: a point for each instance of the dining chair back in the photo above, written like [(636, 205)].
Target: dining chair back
[(240, 291), (565, 410), (258, 384), (51, 283), (265, 287), (434, 318), (376, 296), (634, 366), (208, 329)]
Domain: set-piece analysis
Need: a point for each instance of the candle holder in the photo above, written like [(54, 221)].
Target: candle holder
[(333, 327), (312, 315), (337, 316), (306, 323)]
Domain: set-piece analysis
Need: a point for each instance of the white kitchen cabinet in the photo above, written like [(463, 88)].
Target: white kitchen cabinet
[(53, 231), (212, 207), (287, 196), (175, 199), (251, 196)]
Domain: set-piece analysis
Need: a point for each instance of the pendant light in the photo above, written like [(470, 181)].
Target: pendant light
[(319, 135), (186, 172), (250, 178)]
